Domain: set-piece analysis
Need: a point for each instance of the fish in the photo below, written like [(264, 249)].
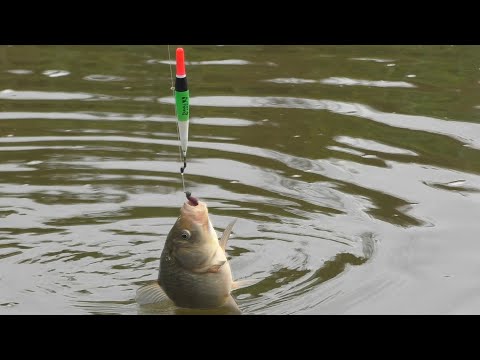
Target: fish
[(194, 271)]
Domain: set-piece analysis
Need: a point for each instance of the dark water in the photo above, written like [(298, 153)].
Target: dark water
[(353, 172)]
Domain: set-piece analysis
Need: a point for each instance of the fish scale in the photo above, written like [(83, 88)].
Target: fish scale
[(192, 290), (194, 271)]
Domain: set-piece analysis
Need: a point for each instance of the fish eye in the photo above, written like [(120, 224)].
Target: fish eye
[(185, 234)]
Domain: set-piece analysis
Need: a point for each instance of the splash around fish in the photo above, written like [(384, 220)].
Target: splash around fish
[(194, 271)]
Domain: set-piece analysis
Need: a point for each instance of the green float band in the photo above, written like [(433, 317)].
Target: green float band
[(182, 102)]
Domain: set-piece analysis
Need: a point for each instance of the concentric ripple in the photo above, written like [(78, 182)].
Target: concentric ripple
[(355, 190)]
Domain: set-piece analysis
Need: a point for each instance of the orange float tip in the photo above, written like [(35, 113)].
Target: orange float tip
[(181, 63)]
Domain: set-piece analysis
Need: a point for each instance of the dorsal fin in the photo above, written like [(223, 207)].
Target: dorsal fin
[(226, 234)]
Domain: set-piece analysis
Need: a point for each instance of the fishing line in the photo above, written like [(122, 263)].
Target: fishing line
[(182, 169)]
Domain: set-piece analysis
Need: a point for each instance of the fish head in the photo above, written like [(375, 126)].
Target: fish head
[(192, 239)]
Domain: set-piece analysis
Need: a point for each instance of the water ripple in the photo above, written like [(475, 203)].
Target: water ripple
[(205, 62), (42, 95), (109, 116), (468, 133), (55, 73), (20, 72), (341, 81), (103, 78), (378, 60), (356, 82), (372, 146), (342, 207)]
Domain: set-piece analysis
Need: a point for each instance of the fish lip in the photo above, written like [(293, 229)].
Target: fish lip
[(190, 203), (197, 214), (191, 200)]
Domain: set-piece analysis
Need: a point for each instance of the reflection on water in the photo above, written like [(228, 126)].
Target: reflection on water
[(353, 173)]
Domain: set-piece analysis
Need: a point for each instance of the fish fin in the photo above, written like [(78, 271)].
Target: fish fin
[(216, 267), (232, 306), (243, 283), (226, 234), (214, 264), (151, 294)]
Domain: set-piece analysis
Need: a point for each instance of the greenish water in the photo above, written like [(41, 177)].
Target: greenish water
[(353, 172)]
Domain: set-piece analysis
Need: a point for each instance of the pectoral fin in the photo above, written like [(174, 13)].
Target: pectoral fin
[(216, 267), (214, 264), (151, 294), (226, 234)]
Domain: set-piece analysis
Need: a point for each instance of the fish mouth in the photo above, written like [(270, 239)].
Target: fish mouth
[(195, 219), (196, 213)]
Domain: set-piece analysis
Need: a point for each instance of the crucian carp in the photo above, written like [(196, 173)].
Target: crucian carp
[(194, 271)]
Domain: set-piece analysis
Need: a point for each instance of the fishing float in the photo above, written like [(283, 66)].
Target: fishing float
[(182, 102), (182, 109)]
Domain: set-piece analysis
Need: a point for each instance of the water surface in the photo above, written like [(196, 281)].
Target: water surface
[(353, 172)]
